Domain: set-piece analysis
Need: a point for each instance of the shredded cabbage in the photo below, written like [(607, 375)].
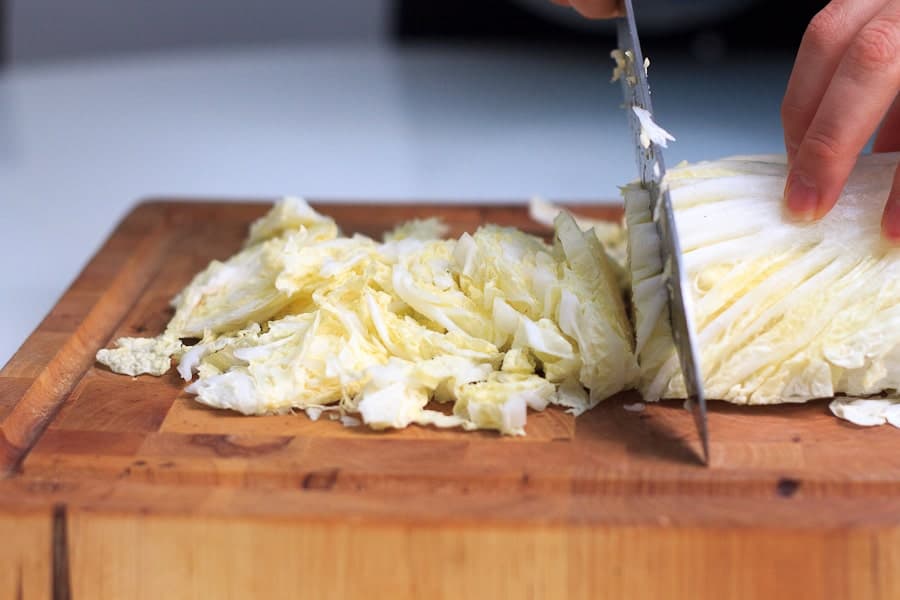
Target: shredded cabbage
[(494, 323), (497, 322)]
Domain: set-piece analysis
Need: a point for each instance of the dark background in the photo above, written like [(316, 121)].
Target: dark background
[(770, 26), (4, 36), (764, 27)]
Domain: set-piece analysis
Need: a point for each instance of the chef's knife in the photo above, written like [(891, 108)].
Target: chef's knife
[(652, 171)]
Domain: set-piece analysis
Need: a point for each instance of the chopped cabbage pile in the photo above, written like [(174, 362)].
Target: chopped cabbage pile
[(785, 312), (493, 324)]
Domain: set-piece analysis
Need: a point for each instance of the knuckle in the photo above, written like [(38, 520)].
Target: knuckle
[(826, 26), (821, 147), (875, 48), (791, 110)]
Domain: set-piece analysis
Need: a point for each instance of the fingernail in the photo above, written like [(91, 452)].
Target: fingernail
[(801, 197)]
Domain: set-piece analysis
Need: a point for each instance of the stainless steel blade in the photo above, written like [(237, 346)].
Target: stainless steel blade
[(652, 170)]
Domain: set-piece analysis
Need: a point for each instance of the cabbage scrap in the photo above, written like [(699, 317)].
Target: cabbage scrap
[(494, 324), (867, 412)]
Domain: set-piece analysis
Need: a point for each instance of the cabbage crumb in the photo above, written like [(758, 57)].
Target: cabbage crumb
[(624, 68)]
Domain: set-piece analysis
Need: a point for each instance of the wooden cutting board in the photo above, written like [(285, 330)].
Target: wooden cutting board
[(125, 488)]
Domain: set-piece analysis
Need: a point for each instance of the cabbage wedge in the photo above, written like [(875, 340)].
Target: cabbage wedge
[(785, 312)]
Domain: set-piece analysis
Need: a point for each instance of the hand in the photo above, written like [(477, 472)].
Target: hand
[(845, 81), (594, 9)]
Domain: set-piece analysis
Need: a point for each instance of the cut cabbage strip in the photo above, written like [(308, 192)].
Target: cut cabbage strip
[(785, 312), (496, 323), (611, 234)]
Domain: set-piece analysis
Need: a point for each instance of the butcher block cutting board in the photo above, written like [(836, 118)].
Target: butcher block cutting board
[(118, 487)]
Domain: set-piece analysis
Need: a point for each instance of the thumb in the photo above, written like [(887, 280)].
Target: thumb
[(890, 223), (888, 138)]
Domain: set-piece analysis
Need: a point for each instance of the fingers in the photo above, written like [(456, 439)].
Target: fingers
[(890, 223), (824, 44), (888, 138), (864, 85), (594, 9)]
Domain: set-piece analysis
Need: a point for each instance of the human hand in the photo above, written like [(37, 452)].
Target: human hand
[(594, 9), (845, 81)]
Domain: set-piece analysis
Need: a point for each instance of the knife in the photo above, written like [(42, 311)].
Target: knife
[(652, 170)]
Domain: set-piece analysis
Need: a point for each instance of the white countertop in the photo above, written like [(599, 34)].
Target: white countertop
[(81, 142)]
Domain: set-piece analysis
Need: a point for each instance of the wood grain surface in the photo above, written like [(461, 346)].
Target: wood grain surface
[(119, 487)]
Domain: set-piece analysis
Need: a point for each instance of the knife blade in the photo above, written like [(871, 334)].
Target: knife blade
[(652, 170)]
